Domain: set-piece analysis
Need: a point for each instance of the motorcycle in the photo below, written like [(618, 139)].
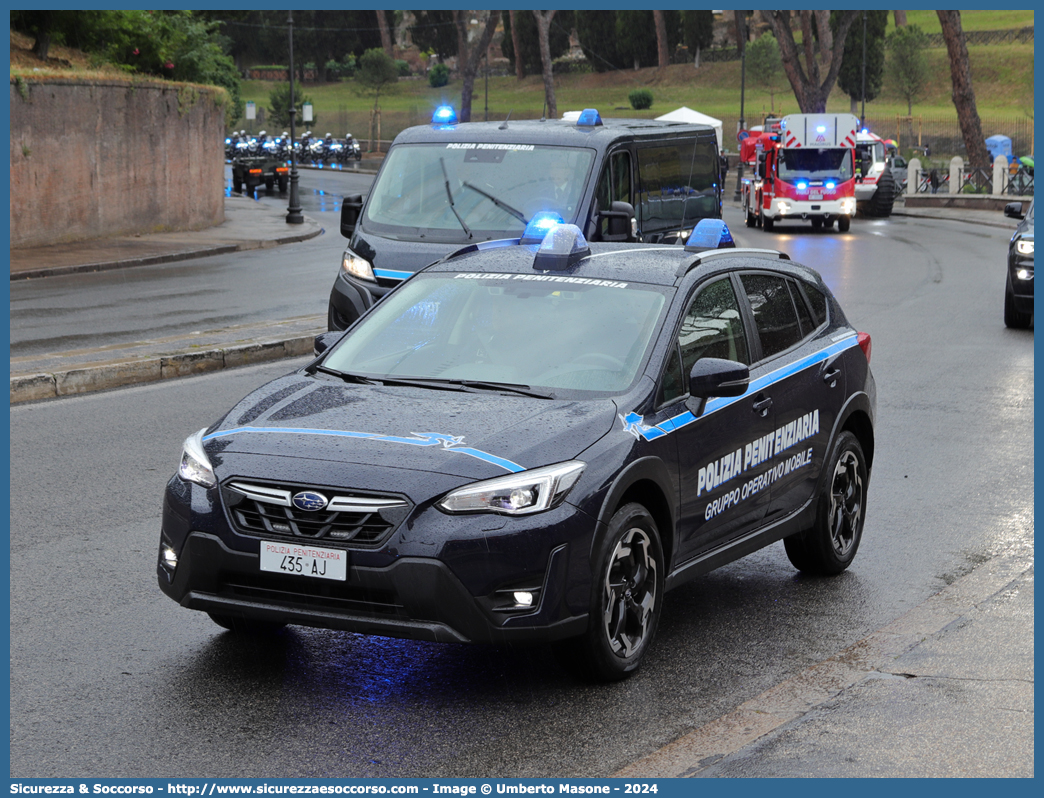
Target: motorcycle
[(352, 148)]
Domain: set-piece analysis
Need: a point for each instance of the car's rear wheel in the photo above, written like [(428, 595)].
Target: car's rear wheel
[(625, 602), (830, 544), (244, 625), (1012, 317)]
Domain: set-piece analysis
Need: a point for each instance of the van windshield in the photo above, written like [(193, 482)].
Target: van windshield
[(459, 191), (815, 164)]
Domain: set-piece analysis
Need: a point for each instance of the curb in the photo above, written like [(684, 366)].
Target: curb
[(169, 257), (133, 371)]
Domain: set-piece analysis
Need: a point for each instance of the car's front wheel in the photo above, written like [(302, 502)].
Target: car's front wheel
[(1012, 317), (626, 600), (830, 544)]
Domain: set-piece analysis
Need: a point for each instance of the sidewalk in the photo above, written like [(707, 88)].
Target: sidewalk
[(248, 225)]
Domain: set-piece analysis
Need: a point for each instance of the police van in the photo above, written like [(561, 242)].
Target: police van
[(447, 185)]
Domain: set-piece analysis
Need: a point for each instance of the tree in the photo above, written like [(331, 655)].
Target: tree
[(963, 93), (386, 39), (279, 106), (597, 32), (521, 37), (543, 22), (907, 63), (663, 56), (435, 31), (764, 66), (468, 59), (46, 27), (697, 31), (900, 19), (850, 77), (636, 37), (810, 89), (377, 71)]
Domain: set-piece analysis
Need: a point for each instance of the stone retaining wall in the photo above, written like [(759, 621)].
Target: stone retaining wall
[(91, 159)]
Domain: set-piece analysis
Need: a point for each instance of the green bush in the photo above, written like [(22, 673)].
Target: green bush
[(640, 99), (403, 67), (438, 76)]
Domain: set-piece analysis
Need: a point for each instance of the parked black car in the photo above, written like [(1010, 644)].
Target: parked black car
[(1018, 289), (532, 440)]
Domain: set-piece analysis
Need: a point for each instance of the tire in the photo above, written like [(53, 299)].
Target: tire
[(628, 576), (768, 223), (269, 184), (881, 202), (237, 185), (844, 223), (752, 220), (817, 224), (284, 182), (1012, 317), (244, 625), (830, 544)]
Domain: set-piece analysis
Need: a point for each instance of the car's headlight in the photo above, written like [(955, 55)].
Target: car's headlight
[(1024, 247), (195, 465), (357, 267), (519, 494)]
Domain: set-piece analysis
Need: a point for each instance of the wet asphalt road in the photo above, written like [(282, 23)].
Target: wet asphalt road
[(111, 678), (82, 311)]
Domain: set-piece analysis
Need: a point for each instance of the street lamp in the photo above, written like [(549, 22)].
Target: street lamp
[(293, 213)]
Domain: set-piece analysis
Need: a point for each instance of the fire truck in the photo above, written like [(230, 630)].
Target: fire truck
[(875, 184), (804, 170)]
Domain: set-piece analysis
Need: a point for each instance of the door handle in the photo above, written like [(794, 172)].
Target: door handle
[(762, 406), (830, 378)]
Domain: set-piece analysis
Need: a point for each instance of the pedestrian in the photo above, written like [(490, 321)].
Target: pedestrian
[(927, 150), (933, 178)]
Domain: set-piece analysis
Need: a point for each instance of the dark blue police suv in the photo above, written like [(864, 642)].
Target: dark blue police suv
[(533, 440)]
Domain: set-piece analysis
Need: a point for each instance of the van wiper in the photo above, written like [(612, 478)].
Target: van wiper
[(449, 194), (499, 203)]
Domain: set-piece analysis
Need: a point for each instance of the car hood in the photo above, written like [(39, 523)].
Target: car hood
[(468, 435)]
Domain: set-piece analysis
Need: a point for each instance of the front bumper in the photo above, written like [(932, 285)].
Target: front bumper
[(1020, 278), (350, 298), (783, 209), (421, 583)]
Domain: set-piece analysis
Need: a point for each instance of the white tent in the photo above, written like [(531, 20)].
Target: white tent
[(686, 114)]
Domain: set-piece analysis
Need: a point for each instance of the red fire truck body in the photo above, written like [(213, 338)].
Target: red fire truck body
[(804, 170)]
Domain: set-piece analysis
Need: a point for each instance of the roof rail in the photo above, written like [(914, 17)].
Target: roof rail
[(738, 252)]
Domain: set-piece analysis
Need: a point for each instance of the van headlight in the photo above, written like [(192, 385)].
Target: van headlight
[(195, 465), (1025, 246), (355, 266), (519, 494)]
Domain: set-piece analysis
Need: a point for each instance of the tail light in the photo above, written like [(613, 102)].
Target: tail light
[(864, 344)]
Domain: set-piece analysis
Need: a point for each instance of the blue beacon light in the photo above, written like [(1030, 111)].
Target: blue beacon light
[(563, 247), (710, 234), (444, 115), (539, 226), (589, 118)]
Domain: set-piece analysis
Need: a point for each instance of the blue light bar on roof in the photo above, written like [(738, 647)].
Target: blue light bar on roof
[(444, 115), (710, 234), (539, 226), (563, 246), (589, 118)]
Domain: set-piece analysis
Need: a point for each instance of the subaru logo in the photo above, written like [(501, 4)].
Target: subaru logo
[(309, 500)]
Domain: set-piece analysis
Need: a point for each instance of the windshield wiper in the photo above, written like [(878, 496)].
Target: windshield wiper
[(449, 194), (499, 203), (348, 377), (467, 385)]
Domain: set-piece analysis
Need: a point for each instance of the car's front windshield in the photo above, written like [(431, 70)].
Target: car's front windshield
[(815, 164), (460, 191), (551, 332)]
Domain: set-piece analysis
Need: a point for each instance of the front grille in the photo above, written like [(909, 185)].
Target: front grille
[(267, 510), (316, 594)]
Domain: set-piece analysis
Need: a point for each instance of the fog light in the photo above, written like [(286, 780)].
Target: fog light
[(784, 208), (1023, 274), (523, 598), (169, 557)]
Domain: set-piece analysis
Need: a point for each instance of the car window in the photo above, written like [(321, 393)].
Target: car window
[(775, 316), (807, 324), (817, 301), (677, 184), (614, 186), (712, 327)]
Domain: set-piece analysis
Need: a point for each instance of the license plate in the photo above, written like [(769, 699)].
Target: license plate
[(815, 195), (304, 560)]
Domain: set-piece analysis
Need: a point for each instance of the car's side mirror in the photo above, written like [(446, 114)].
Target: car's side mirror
[(761, 170), (1014, 210), (714, 376), (324, 341), (620, 219), (351, 207)]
